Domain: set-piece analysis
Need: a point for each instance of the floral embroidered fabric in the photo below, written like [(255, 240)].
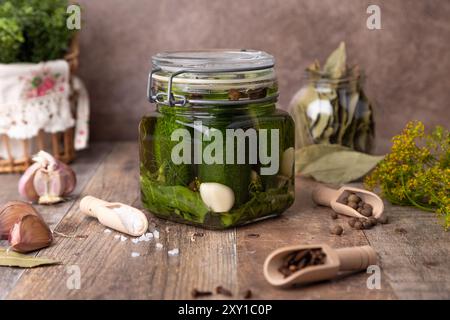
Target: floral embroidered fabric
[(35, 97)]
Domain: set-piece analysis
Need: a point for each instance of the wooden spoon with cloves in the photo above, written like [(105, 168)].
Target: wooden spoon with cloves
[(302, 264)]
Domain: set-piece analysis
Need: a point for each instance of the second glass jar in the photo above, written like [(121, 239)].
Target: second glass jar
[(334, 111)]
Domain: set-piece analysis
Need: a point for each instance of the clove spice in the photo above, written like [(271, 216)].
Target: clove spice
[(253, 235), (300, 259), (198, 293), (223, 291)]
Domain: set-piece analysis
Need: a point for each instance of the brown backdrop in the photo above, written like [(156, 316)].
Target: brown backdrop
[(407, 62)]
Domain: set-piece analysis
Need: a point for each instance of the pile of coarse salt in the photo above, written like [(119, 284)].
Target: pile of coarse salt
[(145, 237)]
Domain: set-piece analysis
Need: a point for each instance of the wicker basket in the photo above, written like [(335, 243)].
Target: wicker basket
[(60, 144)]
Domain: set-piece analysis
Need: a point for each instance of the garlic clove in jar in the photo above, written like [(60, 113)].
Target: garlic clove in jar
[(216, 196), (287, 162), (11, 213), (48, 180), (30, 234)]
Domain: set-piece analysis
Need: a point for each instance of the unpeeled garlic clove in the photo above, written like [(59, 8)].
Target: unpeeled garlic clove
[(216, 196), (69, 177), (287, 162), (11, 213), (30, 234), (26, 187), (48, 180)]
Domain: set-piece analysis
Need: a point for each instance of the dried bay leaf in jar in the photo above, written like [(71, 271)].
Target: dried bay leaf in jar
[(332, 107), (216, 152)]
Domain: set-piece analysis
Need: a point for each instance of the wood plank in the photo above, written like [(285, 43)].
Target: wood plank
[(107, 269), (85, 167), (303, 223), (414, 264), (415, 253)]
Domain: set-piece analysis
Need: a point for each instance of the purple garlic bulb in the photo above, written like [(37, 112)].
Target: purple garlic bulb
[(48, 180)]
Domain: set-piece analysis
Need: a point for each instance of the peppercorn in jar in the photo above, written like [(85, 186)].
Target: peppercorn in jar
[(216, 152)]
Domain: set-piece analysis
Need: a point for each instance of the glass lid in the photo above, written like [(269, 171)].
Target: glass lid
[(210, 73), (212, 60)]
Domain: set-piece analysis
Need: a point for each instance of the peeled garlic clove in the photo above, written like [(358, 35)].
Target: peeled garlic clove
[(26, 188), (11, 213), (49, 185), (29, 234), (216, 196), (287, 162)]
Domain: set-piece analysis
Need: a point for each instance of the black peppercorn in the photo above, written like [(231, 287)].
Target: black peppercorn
[(337, 230), (233, 94)]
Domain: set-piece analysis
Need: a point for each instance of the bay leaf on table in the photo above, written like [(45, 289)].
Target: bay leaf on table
[(15, 259), (341, 166), (311, 153)]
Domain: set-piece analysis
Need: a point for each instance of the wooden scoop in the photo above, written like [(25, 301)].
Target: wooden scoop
[(115, 215), (334, 198), (337, 262)]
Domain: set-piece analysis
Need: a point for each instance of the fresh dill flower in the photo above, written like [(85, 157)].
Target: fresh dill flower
[(417, 171)]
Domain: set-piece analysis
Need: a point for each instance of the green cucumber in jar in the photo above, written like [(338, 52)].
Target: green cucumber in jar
[(146, 144), (170, 173), (285, 125), (236, 176)]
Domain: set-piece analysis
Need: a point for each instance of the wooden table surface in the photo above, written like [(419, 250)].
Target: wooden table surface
[(414, 250)]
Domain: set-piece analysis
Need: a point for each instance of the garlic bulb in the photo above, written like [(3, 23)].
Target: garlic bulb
[(48, 180), (216, 196), (12, 212)]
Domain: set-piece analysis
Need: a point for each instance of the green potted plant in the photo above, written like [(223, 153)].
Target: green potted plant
[(38, 57)]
